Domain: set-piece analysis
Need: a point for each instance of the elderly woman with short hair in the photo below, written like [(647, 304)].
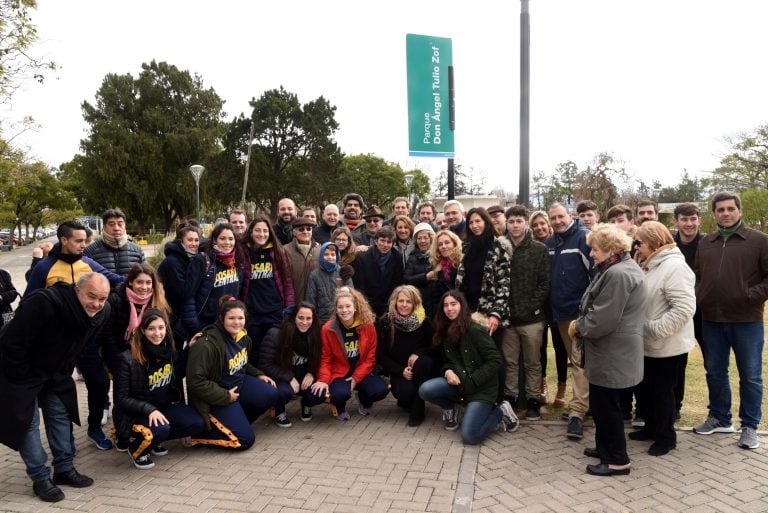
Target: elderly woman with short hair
[(667, 332), (610, 327)]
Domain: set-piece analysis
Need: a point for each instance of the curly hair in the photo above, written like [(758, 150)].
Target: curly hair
[(363, 312), (609, 238)]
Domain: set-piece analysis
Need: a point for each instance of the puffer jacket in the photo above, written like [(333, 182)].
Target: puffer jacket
[(668, 329), (132, 393), (321, 288), (572, 270), (476, 360), (117, 260)]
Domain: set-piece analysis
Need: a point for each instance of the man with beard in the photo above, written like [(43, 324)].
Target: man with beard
[(286, 213), (37, 356)]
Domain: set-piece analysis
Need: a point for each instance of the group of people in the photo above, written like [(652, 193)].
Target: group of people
[(451, 309)]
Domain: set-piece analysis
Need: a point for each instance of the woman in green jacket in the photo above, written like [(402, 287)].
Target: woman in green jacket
[(223, 385), (470, 373)]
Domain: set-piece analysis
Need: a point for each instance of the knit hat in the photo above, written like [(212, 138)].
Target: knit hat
[(421, 227)]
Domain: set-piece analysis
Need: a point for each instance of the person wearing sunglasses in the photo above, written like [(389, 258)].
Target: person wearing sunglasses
[(303, 254)]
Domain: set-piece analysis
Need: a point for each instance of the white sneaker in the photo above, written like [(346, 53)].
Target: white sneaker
[(105, 417)]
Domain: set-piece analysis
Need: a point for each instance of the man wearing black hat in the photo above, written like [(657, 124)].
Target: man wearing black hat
[(365, 234), (302, 253)]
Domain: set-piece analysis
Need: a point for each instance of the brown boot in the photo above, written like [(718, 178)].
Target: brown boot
[(544, 398), (559, 401)]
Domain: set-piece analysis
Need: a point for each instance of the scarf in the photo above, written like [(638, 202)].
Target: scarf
[(727, 232), (644, 263), (114, 242), (227, 259), (134, 318), (446, 266), (383, 260), (158, 353), (610, 261), (304, 248), (408, 323)]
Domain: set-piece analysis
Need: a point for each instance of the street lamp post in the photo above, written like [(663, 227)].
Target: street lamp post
[(408, 183), (197, 171)]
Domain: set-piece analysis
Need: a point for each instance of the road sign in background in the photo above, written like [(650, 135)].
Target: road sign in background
[(428, 58)]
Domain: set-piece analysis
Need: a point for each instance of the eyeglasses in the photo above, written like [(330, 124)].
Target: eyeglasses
[(373, 220), (304, 228), (341, 241)]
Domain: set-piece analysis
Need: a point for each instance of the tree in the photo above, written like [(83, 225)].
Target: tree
[(470, 182), (144, 135), (293, 154), (17, 35), (376, 180), (746, 166), (754, 208), (687, 189), (598, 181)]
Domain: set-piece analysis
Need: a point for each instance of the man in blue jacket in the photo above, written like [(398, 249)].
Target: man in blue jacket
[(572, 270)]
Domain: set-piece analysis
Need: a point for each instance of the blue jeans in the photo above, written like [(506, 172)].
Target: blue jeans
[(57, 430), (746, 340), (479, 418)]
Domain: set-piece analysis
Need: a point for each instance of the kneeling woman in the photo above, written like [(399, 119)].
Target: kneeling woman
[(148, 410), (403, 350), (471, 364), (290, 355), (348, 356), (224, 386)]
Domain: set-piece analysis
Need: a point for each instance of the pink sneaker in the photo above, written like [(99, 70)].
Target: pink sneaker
[(364, 411)]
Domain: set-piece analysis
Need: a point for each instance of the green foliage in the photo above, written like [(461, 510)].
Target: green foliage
[(746, 166), (754, 208), (375, 179), (293, 153), (687, 189), (17, 35), (144, 135)]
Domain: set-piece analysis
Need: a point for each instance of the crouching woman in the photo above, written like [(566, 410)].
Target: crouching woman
[(148, 408), (471, 364), (223, 385)]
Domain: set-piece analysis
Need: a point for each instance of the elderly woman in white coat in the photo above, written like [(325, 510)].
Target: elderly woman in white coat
[(667, 332), (610, 326)]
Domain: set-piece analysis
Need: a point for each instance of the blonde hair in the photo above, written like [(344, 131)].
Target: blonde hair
[(403, 219), (363, 312), (609, 238), (654, 234), (456, 254), (410, 291)]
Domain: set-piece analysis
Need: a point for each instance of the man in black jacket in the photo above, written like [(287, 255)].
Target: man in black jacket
[(379, 270), (37, 356), (114, 251)]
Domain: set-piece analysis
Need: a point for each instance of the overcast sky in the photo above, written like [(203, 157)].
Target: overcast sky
[(657, 83)]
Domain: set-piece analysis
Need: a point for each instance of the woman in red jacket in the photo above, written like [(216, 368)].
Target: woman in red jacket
[(348, 355)]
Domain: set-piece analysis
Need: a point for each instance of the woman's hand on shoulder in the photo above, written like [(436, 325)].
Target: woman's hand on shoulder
[(194, 339)]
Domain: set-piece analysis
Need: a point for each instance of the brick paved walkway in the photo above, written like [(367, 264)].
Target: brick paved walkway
[(379, 464)]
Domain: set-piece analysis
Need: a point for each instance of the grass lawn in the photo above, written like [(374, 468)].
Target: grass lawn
[(696, 397)]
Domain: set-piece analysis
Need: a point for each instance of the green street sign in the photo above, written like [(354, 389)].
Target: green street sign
[(428, 59)]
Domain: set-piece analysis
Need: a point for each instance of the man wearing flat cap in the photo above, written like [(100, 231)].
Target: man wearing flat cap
[(302, 253), (365, 234)]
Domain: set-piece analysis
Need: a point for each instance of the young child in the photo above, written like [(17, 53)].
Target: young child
[(323, 282)]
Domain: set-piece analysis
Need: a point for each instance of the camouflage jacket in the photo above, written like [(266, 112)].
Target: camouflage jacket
[(494, 291)]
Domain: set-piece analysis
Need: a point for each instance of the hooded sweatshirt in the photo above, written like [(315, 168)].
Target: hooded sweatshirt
[(322, 285)]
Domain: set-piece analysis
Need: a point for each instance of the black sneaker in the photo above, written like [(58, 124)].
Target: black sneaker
[(534, 410), (159, 450), (575, 429), (450, 419), (143, 462), (282, 421), (306, 413)]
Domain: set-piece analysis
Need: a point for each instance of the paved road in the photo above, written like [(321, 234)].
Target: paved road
[(378, 464)]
